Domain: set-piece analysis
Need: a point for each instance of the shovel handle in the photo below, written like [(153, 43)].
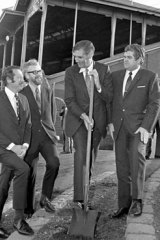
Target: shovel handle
[(88, 152)]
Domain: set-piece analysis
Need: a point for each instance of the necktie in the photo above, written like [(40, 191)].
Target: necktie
[(18, 106), (128, 83), (88, 81), (38, 98)]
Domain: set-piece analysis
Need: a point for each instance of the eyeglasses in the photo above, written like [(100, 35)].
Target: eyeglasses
[(35, 72)]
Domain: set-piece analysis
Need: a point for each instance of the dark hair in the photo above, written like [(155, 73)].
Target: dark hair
[(8, 73), (138, 51), (86, 45)]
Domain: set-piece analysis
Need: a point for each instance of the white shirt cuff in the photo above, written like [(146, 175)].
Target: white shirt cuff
[(26, 145), (99, 90), (10, 146)]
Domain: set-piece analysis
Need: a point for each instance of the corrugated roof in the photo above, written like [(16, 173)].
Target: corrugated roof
[(128, 4), (11, 18)]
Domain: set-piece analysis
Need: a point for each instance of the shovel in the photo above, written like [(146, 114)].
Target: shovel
[(84, 221)]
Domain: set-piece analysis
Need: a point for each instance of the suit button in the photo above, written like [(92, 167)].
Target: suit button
[(123, 110), (39, 130)]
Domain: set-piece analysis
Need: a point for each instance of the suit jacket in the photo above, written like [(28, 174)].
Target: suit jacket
[(140, 105), (12, 131), (77, 99), (46, 119)]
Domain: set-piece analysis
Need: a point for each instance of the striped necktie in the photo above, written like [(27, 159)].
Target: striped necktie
[(88, 81), (38, 98), (18, 106), (128, 83)]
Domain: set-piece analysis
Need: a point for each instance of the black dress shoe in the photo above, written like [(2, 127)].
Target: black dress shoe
[(47, 205), (136, 208), (3, 233), (120, 213), (23, 228), (28, 213)]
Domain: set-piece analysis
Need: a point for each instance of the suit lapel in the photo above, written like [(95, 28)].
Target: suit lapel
[(120, 77), (81, 81), (45, 96), (9, 106), (31, 99)]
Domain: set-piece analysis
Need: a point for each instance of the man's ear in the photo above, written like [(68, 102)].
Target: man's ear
[(140, 61), (8, 80), (26, 76)]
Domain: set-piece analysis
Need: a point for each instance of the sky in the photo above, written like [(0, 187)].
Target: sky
[(10, 3)]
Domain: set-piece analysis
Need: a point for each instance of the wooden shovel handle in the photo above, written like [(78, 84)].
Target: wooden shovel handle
[(88, 152)]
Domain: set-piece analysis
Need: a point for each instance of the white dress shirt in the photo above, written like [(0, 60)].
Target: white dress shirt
[(13, 101), (134, 72)]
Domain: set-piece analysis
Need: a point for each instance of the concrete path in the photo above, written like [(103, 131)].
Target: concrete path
[(137, 228)]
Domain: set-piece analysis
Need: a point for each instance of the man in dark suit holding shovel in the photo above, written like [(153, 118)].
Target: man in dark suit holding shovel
[(77, 91)]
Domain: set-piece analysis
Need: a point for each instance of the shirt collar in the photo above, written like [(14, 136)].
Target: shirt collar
[(9, 93), (83, 70), (33, 87), (134, 72)]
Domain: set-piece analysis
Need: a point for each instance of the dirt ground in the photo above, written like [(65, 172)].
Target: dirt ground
[(104, 198)]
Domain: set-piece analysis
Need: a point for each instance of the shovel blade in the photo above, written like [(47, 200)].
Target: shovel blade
[(83, 223)]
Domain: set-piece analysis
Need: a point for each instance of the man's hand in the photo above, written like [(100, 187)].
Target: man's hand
[(19, 150), (144, 134), (95, 75), (86, 120), (111, 129)]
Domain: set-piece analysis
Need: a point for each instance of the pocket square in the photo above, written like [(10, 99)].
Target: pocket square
[(141, 86)]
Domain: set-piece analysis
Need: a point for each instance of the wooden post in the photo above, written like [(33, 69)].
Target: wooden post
[(130, 30), (131, 26), (4, 60), (13, 50), (4, 55), (75, 28), (113, 32), (24, 41), (43, 20), (144, 29)]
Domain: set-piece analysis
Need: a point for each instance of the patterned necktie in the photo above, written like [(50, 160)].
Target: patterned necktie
[(38, 98), (88, 81), (128, 83), (18, 107)]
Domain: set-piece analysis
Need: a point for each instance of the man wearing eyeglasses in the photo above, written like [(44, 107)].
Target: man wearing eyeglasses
[(43, 137)]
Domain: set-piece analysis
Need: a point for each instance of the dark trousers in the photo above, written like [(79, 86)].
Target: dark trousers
[(13, 166), (50, 154), (80, 145), (130, 164)]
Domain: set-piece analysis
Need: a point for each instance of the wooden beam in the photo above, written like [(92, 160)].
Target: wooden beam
[(43, 21), (75, 29), (113, 32)]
